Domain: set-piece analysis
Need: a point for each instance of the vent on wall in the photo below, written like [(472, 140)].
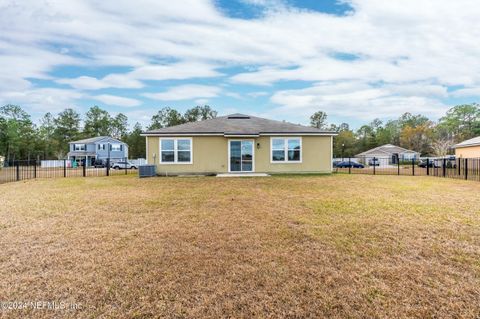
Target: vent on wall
[(238, 117)]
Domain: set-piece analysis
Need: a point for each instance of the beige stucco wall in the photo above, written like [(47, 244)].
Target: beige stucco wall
[(316, 156), (468, 152), (210, 155)]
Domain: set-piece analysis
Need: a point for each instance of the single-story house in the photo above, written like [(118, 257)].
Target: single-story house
[(469, 148), (389, 152), (239, 143), (100, 147)]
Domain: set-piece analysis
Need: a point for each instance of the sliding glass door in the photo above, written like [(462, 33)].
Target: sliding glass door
[(241, 155)]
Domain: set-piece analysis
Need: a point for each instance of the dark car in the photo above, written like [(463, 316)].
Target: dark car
[(100, 163), (431, 164), (347, 164)]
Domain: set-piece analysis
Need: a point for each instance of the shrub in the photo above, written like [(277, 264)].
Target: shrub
[(409, 162)]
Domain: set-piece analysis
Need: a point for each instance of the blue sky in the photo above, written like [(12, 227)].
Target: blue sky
[(283, 59)]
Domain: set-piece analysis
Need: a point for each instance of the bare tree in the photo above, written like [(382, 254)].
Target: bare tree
[(442, 146), (60, 154)]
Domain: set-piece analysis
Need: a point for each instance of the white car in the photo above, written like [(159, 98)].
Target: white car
[(123, 165)]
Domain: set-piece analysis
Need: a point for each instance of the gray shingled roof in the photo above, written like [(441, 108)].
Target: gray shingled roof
[(95, 140), (471, 142), (238, 124), (387, 149)]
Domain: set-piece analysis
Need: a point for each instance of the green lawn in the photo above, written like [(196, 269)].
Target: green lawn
[(340, 246)]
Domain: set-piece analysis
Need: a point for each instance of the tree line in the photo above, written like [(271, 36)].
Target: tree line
[(21, 138), (414, 132)]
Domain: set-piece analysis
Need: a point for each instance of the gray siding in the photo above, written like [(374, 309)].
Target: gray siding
[(103, 153)]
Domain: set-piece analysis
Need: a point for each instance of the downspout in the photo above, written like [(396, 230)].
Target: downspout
[(146, 149), (331, 154)]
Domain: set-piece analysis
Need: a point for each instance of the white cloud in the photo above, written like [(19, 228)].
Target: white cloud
[(185, 92), (175, 71), (42, 99), (8, 84), (235, 95), (357, 100), (257, 94), (404, 53), (467, 92), (201, 101), (132, 80), (143, 116), (418, 89), (110, 81), (116, 100)]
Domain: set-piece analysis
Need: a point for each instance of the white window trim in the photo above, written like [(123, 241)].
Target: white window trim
[(286, 138), (175, 150), (253, 155), (79, 150), (116, 145)]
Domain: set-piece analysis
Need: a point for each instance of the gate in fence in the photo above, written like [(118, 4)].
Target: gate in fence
[(30, 169), (448, 167)]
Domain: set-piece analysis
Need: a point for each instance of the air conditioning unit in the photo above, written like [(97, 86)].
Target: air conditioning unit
[(147, 171)]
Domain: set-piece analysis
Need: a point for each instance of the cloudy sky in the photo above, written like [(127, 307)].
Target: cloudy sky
[(283, 59)]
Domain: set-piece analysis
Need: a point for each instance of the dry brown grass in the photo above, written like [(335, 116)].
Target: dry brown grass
[(311, 246)]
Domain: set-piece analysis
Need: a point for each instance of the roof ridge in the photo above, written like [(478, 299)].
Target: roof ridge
[(95, 139), (379, 149), (238, 122)]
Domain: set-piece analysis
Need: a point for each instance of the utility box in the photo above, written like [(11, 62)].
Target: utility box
[(147, 171)]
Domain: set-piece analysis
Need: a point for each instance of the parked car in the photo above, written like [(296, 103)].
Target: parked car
[(347, 164), (431, 163), (374, 162), (124, 165), (451, 163), (99, 163)]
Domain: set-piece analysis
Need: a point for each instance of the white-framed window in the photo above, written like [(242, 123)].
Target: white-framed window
[(115, 147), (176, 151), (79, 147), (102, 147), (286, 150)]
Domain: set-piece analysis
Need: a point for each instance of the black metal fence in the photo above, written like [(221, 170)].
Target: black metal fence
[(14, 171), (448, 167)]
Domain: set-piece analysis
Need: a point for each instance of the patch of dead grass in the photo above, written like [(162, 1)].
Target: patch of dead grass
[(286, 246)]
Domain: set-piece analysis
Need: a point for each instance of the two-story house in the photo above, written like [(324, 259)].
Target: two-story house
[(101, 147)]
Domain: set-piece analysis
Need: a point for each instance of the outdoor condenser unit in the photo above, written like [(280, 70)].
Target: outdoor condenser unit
[(146, 171)]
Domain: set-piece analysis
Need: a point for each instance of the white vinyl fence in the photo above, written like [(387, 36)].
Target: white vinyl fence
[(138, 161), (55, 163)]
